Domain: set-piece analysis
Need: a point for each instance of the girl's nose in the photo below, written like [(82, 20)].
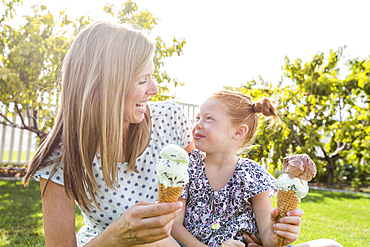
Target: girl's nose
[(198, 124)]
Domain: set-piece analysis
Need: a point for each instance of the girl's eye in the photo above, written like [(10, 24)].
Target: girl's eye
[(209, 118)]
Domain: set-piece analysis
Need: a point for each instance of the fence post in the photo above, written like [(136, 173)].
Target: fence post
[(19, 158), (3, 139), (10, 158)]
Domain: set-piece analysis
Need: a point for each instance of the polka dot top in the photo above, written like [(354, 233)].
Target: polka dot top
[(169, 125), (216, 216)]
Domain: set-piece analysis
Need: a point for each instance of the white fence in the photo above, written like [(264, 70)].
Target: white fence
[(17, 146)]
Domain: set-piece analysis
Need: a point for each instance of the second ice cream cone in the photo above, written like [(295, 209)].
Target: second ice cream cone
[(169, 194), (286, 201)]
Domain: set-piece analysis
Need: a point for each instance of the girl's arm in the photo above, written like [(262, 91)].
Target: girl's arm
[(262, 206), (266, 222), (180, 233)]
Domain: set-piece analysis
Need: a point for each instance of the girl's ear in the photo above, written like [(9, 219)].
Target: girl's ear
[(240, 132)]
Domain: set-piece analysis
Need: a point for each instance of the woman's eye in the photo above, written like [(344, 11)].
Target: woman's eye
[(143, 81), (209, 118)]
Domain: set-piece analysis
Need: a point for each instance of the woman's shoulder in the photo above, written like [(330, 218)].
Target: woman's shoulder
[(52, 167), (160, 107)]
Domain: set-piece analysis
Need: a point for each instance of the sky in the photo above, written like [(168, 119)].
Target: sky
[(229, 43)]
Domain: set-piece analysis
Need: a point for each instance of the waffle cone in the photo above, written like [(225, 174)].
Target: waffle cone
[(169, 194), (286, 201)]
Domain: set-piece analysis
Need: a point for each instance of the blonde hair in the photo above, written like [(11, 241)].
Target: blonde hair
[(102, 61), (242, 110)]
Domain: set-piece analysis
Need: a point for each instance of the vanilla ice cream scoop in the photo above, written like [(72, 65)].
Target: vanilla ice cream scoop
[(172, 166), (300, 166), (300, 187)]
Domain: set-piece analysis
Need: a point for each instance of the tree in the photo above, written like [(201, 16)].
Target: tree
[(32, 55), (358, 89), (29, 62), (129, 13), (9, 9), (325, 115)]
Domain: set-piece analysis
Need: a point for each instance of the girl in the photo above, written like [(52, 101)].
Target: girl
[(228, 196)]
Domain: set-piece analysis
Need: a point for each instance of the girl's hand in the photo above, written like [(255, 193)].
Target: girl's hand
[(232, 243), (289, 226), (144, 223), (251, 240)]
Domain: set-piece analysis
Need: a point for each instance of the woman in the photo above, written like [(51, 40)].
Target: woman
[(101, 150)]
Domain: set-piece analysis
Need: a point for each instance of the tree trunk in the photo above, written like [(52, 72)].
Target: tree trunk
[(331, 167)]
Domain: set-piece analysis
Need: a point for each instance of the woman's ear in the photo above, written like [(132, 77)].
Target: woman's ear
[(240, 131)]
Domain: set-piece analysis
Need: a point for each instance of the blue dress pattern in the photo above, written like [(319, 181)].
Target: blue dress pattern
[(169, 125), (233, 212)]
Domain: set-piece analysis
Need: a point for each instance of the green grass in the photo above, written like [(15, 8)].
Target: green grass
[(343, 217), (21, 214), (340, 216)]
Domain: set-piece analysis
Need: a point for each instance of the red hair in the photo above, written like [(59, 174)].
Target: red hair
[(242, 110)]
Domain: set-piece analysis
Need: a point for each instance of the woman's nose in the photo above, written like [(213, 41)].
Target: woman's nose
[(153, 89)]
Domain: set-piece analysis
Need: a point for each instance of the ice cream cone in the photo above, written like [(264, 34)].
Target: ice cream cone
[(169, 194), (286, 201)]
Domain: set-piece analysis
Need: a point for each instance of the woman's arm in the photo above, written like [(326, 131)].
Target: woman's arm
[(59, 215), (142, 223), (190, 147), (180, 233)]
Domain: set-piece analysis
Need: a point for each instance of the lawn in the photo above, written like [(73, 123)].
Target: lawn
[(340, 216)]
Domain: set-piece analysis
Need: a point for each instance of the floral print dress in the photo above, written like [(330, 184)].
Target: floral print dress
[(216, 216)]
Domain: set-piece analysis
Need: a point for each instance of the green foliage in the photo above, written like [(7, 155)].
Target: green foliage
[(144, 20), (32, 55), (29, 65), (9, 9), (325, 115)]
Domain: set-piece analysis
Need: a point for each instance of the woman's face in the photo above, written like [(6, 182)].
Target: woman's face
[(138, 94)]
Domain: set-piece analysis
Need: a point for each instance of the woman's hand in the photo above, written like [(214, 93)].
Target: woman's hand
[(143, 223), (232, 243), (289, 226)]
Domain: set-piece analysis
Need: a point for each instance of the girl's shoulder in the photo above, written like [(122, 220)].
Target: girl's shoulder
[(251, 169), (196, 162)]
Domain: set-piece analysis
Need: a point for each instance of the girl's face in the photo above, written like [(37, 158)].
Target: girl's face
[(138, 94), (213, 131)]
